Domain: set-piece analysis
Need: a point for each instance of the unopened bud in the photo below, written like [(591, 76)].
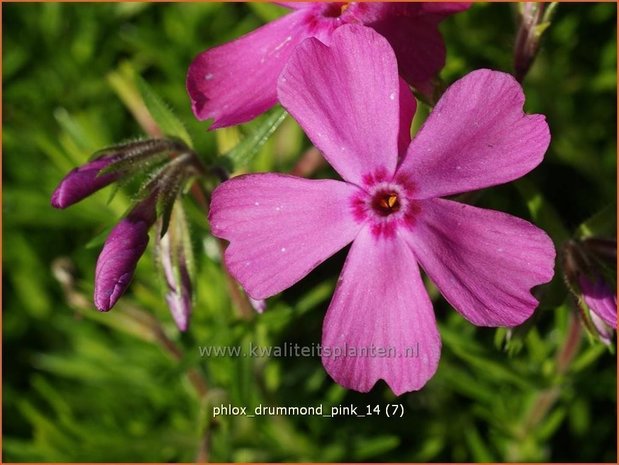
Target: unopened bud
[(121, 252), (82, 182)]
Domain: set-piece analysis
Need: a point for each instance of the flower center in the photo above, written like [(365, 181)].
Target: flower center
[(386, 202), (334, 10)]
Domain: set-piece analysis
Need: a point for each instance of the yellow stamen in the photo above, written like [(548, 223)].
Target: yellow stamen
[(391, 201)]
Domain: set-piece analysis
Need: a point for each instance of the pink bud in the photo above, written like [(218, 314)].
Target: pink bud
[(121, 252), (82, 182)]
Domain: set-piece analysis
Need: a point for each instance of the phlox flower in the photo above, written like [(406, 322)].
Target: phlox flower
[(351, 104), (237, 81)]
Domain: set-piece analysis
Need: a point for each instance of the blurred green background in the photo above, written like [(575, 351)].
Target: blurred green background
[(125, 386)]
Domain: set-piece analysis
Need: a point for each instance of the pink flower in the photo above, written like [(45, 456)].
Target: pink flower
[(350, 102), (236, 82)]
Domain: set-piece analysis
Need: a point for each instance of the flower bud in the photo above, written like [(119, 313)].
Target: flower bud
[(178, 282), (179, 301), (602, 303), (121, 252), (128, 159), (584, 264), (82, 182), (534, 20)]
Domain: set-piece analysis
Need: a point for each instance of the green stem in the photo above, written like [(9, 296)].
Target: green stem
[(547, 398)]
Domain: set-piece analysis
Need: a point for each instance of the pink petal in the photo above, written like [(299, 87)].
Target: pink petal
[(295, 5), (235, 82), (412, 30), (280, 227), (346, 98), (484, 262), (380, 302), (408, 106), (443, 8), (476, 136), (418, 46), (371, 12)]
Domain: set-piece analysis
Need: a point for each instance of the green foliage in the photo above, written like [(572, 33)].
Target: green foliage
[(126, 386), (163, 116), (244, 151)]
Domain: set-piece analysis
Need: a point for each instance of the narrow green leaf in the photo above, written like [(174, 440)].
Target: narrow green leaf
[(162, 114), (171, 183), (376, 446), (589, 357), (479, 448), (603, 223), (134, 165), (267, 11), (249, 147), (501, 338), (542, 212), (99, 239), (551, 423), (550, 12)]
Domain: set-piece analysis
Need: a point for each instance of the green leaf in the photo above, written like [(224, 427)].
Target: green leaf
[(374, 447), (249, 147), (551, 423), (99, 239), (169, 124), (588, 357), (267, 11), (542, 212), (603, 223), (171, 184), (478, 447)]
